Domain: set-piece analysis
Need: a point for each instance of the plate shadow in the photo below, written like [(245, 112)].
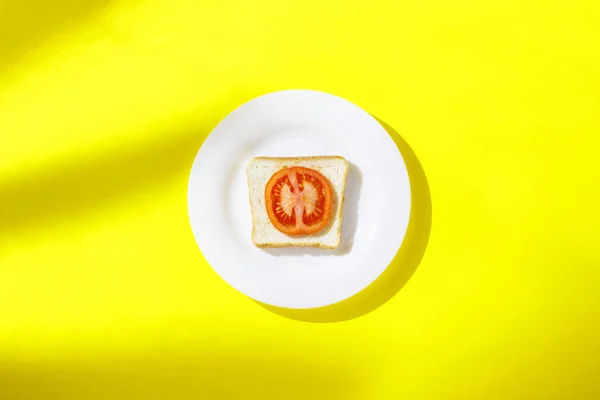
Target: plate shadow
[(405, 263)]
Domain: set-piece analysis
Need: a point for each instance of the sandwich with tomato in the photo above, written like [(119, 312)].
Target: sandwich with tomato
[(297, 201)]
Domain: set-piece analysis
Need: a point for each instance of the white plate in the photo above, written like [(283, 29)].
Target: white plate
[(299, 123)]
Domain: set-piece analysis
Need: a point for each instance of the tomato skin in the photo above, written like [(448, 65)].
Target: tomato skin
[(299, 200)]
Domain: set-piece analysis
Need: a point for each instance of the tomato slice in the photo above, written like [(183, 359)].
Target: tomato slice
[(298, 200)]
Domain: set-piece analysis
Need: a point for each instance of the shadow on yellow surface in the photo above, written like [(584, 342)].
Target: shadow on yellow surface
[(405, 262), (24, 25), (76, 184), (220, 375)]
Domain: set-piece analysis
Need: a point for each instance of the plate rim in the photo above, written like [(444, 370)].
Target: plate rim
[(232, 114)]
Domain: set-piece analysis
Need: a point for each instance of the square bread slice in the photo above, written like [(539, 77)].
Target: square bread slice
[(264, 234)]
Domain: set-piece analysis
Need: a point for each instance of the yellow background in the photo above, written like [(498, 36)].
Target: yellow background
[(104, 103)]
